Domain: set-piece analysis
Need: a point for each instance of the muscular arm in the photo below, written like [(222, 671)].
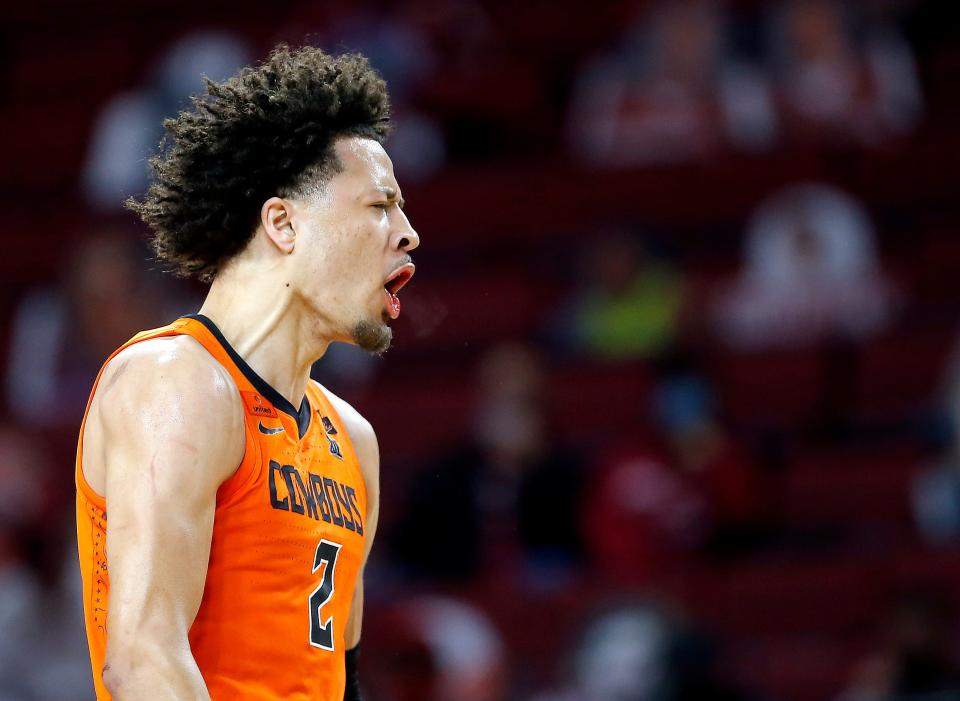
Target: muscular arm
[(168, 430), (368, 452)]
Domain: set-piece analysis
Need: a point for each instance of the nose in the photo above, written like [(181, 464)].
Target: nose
[(404, 237)]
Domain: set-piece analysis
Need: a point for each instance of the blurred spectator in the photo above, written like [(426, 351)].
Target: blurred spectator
[(830, 84), (23, 474), (60, 663), (642, 652), (130, 126), (483, 81), (417, 144), (462, 33), (61, 335), (394, 45), (640, 512), (43, 653), (916, 662), (628, 305), (692, 487), (722, 468), (936, 489), (671, 92), (620, 656), (440, 649), (810, 274), (692, 669), (936, 499), (507, 496), (392, 38)]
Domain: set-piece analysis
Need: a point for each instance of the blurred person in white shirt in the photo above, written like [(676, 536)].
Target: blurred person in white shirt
[(810, 274)]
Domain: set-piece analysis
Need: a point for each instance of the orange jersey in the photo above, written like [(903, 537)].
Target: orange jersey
[(286, 549)]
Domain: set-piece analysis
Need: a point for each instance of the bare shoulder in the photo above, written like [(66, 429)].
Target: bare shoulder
[(169, 391), (363, 437), (169, 367)]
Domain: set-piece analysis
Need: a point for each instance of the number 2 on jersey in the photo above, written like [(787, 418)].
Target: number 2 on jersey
[(321, 634)]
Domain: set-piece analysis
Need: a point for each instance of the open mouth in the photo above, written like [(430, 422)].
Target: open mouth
[(398, 278)]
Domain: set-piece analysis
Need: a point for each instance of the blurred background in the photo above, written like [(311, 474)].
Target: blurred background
[(674, 406)]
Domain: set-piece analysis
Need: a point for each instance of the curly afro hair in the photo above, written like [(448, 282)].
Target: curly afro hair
[(268, 131)]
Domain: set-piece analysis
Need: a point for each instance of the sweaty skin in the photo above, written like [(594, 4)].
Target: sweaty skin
[(146, 450), (165, 427)]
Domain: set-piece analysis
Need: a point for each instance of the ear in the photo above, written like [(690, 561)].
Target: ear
[(275, 216)]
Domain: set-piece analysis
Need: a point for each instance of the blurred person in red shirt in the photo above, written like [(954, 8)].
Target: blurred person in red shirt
[(691, 486), (671, 92)]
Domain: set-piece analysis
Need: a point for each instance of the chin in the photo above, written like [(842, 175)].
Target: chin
[(372, 336)]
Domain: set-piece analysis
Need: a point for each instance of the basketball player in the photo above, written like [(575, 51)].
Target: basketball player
[(226, 503)]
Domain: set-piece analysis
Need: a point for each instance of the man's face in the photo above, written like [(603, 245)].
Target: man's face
[(352, 247)]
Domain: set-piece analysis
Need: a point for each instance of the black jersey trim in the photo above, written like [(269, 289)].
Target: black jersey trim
[(301, 416)]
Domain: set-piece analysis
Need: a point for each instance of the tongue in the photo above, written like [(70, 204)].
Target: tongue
[(393, 305)]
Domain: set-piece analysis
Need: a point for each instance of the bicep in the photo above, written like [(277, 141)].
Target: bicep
[(158, 542), (168, 441)]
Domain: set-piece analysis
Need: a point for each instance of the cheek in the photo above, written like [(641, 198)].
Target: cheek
[(362, 254), (349, 268), (335, 257)]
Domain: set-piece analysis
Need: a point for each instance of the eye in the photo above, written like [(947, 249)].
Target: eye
[(382, 205)]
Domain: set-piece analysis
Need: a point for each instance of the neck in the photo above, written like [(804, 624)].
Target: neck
[(270, 329)]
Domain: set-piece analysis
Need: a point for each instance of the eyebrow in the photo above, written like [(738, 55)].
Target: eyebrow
[(391, 194)]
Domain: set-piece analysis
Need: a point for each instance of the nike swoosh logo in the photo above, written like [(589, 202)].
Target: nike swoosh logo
[(270, 431)]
